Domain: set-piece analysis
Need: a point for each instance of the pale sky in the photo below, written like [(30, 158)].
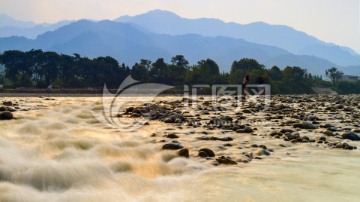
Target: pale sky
[(336, 21)]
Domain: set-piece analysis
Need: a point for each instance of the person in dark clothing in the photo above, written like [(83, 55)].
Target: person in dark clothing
[(244, 84)]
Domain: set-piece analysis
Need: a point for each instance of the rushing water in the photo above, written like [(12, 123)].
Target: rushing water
[(58, 151)]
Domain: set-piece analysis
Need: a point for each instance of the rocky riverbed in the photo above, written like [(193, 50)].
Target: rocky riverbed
[(295, 147), (330, 122)]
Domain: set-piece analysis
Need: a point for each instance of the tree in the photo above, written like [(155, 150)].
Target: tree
[(179, 60), (246, 65), (141, 71), (159, 72), (334, 74), (208, 71), (177, 71), (275, 73)]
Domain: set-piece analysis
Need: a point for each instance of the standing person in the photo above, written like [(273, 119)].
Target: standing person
[(244, 84)]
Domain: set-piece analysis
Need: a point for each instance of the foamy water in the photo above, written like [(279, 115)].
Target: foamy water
[(59, 152)]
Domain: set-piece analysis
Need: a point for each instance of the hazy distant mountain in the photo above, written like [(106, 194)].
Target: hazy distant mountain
[(128, 44), (284, 37), (8, 21), (11, 27), (30, 32)]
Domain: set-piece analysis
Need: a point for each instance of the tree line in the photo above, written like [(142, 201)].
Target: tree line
[(39, 69)]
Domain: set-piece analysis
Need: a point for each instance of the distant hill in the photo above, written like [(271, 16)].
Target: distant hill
[(30, 32), (8, 21), (12, 27), (127, 43), (287, 38)]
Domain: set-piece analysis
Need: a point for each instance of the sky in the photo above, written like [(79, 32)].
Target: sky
[(336, 21)]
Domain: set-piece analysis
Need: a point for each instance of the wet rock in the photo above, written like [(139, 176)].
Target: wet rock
[(351, 136), (263, 146), (6, 115), (292, 136), (249, 155), (129, 109), (173, 145), (247, 111), (169, 120), (172, 136), (184, 152), (327, 125), (328, 133), (322, 138), (311, 118), (305, 139), (7, 103), (205, 112), (305, 125), (261, 152), (344, 145), (225, 139), (248, 129), (225, 160), (202, 154), (207, 138), (284, 130), (240, 131), (11, 109), (205, 152), (294, 141), (2, 109), (276, 133)]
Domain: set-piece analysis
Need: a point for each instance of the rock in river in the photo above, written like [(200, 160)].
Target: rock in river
[(6, 115), (205, 152), (184, 152), (351, 136), (173, 145), (305, 125), (225, 160)]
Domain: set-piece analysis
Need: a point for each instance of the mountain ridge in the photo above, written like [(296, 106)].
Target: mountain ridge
[(97, 38), (285, 37)]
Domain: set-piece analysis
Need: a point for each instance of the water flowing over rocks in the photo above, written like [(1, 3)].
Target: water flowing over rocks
[(56, 150), (297, 119)]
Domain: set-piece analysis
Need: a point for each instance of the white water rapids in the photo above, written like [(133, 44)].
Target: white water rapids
[(59, 152)]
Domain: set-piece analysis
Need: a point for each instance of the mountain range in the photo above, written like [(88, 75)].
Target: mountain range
[(161, 34), (11, 27)]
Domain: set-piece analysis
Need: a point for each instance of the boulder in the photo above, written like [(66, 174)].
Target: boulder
[(184, 152), (174, 145), (262, 152), (205, 152), (225, 160), (292, 136), (6, 115), (351, 136), (172, 136), (328, 133), (248, 129), (305, 125), (7, 103)]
